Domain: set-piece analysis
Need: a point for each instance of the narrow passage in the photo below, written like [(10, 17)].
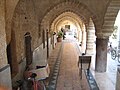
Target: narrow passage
[(68, 78)]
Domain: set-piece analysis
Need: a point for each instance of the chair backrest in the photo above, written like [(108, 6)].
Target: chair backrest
[(84, 61)]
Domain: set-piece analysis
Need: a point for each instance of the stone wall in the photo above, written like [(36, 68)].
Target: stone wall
[(5, 77), (3, 58), (24, 20), (39, 59), (10, 7)]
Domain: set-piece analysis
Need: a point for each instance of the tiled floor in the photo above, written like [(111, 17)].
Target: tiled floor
[(106, 80), (68, 78)]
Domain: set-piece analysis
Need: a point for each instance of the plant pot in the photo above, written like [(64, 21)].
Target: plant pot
[(59, 39)]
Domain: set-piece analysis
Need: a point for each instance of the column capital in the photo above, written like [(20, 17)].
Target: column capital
[(102, 36)]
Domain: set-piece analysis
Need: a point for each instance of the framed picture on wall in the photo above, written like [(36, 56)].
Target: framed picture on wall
[(67, 26)]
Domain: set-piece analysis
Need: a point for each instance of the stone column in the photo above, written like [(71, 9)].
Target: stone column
[(101, 55), (90, 38), (83, 47), (83, 44), (118, 79), (118, 39), (79, 36)]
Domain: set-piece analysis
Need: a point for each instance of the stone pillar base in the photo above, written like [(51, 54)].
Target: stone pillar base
[(118, 79)]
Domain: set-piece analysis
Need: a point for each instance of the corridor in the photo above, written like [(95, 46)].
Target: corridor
[(68, 78), (68, 74), (29, 30)]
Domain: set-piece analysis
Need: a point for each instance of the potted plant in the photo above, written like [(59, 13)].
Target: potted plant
[(59, 36)]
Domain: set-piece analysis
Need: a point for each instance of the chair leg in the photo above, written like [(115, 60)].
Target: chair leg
[(80, 73), (88, 72)]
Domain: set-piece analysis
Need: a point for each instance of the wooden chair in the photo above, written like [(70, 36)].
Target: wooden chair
[(84, 64)]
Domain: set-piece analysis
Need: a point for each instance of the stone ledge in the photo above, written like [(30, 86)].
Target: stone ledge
[(4, 68)]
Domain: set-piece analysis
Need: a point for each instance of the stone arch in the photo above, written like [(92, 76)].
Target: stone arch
[(75, 7), (67, 15), (110, 17), (23, 20), (70, 19)]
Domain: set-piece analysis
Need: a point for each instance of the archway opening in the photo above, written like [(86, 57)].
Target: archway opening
[(70, 23), (113, 50), (69, 27)]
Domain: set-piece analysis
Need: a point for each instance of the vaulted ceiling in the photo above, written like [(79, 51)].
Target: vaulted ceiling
[(103, 13)]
